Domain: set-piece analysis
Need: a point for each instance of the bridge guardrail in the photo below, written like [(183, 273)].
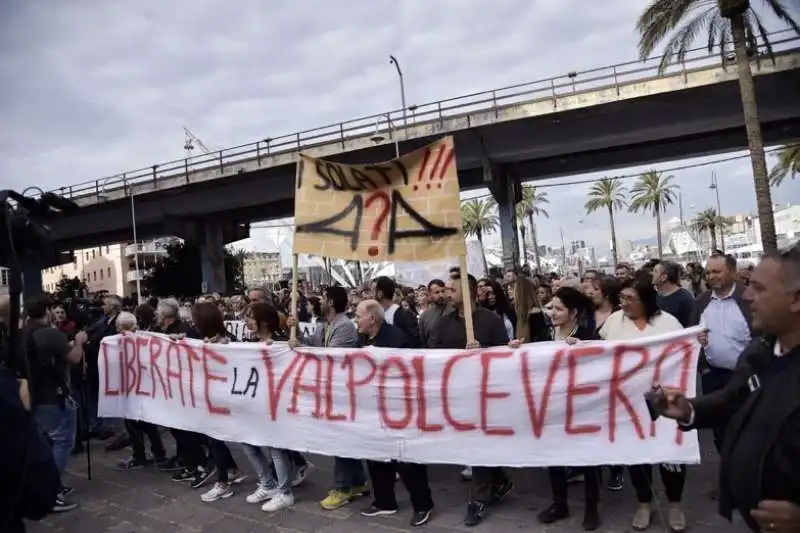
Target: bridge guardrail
[(394, 122)]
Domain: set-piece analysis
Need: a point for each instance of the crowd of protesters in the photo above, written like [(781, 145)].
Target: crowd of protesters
[(508, 308)]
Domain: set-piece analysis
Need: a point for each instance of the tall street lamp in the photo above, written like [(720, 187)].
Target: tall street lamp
[(715, 187), (393, 61), (129, 192)]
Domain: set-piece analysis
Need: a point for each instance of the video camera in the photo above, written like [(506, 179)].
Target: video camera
[(25, 232)]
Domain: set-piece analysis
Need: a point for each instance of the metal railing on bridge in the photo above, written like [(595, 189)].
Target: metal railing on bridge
[(395, 122)]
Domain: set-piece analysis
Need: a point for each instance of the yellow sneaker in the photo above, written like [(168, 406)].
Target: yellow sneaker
[(335, 500), (359, 490)]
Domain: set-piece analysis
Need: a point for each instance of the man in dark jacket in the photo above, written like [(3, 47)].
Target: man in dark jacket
[(375, 331), (383, 290), (760, 470)]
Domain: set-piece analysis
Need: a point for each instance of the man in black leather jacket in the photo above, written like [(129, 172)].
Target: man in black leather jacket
[(760, 469)]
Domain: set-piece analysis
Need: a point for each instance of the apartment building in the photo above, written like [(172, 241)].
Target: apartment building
[(111, 268), (262, 268)]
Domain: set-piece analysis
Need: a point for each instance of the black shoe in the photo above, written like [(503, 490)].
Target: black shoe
[(476, 511), (501, 491), (173, 464), (62, 506), (133, 464), (591, 519), (616, 482), (202, 476), (373, 510), (120, 443), (420, 518), (553, 514), (159, 461), (184, 476)]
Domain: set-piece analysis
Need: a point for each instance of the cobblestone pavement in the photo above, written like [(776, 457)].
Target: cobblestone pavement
[(147, 501)]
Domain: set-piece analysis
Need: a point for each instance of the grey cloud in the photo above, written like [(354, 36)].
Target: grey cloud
[(96, 88)]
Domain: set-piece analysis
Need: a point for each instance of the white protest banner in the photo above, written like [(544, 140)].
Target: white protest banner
[(239, 329), (539, 405)]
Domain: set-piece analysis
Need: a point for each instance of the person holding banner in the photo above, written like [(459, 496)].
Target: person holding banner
[(337, 331), (275, 489), (489, 485), (641, 317), (377, 332), (568, 305)]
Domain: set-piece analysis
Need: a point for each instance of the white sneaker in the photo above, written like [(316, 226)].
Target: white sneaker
[(219, 491), (280, 501), (261, 494), (466, 474), (301, 474)]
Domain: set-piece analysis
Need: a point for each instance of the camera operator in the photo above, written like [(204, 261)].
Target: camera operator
[(29, 480), (49, 357), (760, 468)]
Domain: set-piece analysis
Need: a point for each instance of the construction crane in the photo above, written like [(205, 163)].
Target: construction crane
[(191, 141)]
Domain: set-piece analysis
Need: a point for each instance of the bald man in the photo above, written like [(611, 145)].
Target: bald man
[(375, 331)]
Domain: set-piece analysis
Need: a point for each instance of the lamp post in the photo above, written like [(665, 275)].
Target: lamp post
[(129, 191), (715, 187), (377, 137), (393, 61)]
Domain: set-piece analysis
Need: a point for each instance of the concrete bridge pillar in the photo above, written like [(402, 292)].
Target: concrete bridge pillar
[(212, 258), (210, 236), (507, 192)]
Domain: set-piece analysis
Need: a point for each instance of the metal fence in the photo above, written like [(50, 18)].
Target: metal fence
[(395, 122)]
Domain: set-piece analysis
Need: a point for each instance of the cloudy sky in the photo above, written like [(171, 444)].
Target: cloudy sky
[(92, 88)]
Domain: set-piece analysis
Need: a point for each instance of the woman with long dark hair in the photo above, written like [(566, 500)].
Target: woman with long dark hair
[(568, 306), (640, 316), (494, 299), (532, 323), (210, 324), (273, 468)]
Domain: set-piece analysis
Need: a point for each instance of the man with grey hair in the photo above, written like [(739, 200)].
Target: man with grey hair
[(375, 331), (672, 298), (106, 326)]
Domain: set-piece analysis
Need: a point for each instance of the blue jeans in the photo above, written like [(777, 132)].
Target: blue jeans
[(57, 424), (284, 468), (348, 473)]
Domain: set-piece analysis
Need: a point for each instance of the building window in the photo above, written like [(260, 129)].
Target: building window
[(94, 276), (94, 253), (108, 250), (101, 274), (86, 255), (109, 272)]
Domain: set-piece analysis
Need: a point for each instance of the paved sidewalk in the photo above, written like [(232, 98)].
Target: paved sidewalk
[(148, 502)]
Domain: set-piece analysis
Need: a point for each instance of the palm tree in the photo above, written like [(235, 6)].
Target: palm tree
[(708, 220), (533, 202), (609, 194), (479, 218), (726, 22), (653, 192), (788, 164)]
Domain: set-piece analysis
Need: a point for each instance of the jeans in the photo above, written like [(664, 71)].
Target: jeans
[(281, 460), (57, 424), (348, 473)]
